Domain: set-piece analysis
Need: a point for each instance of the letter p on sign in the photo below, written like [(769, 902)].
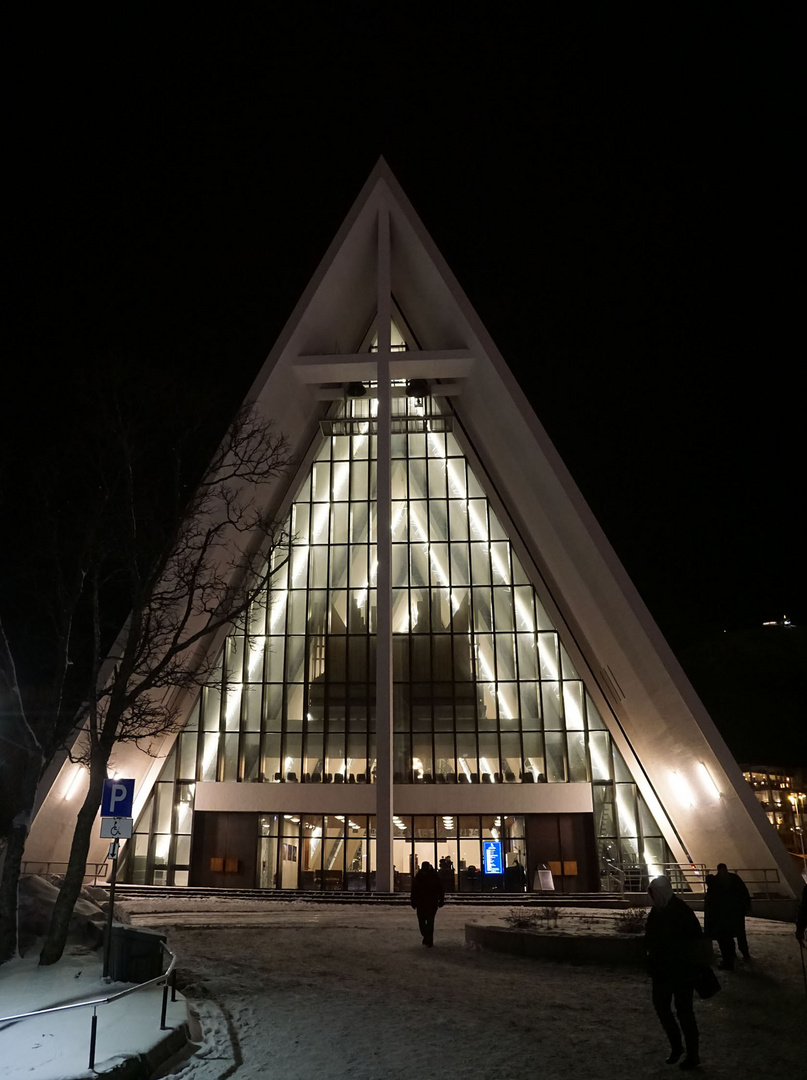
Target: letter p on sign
[(117, 798)]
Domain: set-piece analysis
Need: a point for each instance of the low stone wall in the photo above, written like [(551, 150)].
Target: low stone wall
[(575, 948)]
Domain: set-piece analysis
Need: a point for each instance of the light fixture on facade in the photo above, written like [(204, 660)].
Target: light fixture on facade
[(682, 789), (74, 782), (709, 779)]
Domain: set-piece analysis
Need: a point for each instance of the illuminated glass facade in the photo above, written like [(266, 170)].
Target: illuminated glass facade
[(484, 692)]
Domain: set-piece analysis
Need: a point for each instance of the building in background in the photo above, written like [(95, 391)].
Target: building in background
[(782, 793), (452, 666)]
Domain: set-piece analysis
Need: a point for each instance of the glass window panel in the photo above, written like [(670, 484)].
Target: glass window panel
[(543, 620), (500, 563), (507, 694), (299, 565), (400, 565), (273, 706), (252, 695), (317, 611), (211, 708), (399, 522), (551, 706), (418, 522), (187, 754), (341, 472), (338, 569), (438, 562), (488, 755), (505, 656), (534, 755), (527, 656), (480, 564), (600, 749), (298, 602), (452, 446), (359, 481), (548, 655), (293, 756), (626, 810), (294, 705), (441, 611), (360, 447), (320, 518), (648, 822), (483, 615), (417, 479), (280, 567), (398, 477), (357, 616), (458, 519), (271, 755), (324, 451), (463, 659), (230, 764), (358, 523), (555, 744), (250, 750), (418, 565), (400, 611), (417, 445), (340, 447), (593, 718), (511, 756), (578, 768), (496, 530), (182, 854), (460, 566), (478, 519), (339, 523), (232, 711), (422, 762), (235, 657), (318, 570), (519, 573), (573, 705), (321, 476), (295, 656), (437, 478), (604, 814), (358, 566), (373, 494), (503, 608), (300, 521), (621, 771), (444, 760), (567, 667), (466, 754), (438, 519), (530, 700), (164, 807)]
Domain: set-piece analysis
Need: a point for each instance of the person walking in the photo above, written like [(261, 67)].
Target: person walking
[(672, 943), (427, 896), (725, 907), (801, 917)]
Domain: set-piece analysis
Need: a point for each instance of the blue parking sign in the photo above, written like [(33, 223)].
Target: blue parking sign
[(117, 798)]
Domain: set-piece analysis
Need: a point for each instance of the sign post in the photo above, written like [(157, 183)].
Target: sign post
[(116, 824)]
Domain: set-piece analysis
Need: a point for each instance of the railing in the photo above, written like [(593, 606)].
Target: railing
[(685, 877), (94, 872), (168, 978)]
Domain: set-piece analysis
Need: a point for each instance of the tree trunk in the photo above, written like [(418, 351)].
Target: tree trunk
[(74, 878), (9, 886)]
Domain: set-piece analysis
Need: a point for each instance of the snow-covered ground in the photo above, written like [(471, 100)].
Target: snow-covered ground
[(295, 990)]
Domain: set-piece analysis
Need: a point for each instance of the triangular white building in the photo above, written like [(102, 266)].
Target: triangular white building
[(454, 667)]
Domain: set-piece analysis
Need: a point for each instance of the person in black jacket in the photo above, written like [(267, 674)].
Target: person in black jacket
[(427, 896), (671, 939), (801, 918), (727, 903)]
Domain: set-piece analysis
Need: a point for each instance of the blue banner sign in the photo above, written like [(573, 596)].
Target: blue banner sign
[(492, 854)]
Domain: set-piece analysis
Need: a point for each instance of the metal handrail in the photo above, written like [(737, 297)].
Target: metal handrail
[(93, 870), (169, 975)]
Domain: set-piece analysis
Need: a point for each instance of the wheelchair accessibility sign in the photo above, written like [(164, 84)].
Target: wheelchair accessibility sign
[(116, 828)]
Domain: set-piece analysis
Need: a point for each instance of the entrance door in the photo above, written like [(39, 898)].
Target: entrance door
[(564, 843), (224, 850)]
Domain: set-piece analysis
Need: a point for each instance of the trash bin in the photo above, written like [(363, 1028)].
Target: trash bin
[(135, 955)]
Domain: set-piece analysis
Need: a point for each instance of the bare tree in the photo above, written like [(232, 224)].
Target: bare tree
[(186, 572)]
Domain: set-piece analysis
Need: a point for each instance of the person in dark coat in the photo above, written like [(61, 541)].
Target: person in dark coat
[(427, 896), (801, 918), (672, 943), (727, 903)]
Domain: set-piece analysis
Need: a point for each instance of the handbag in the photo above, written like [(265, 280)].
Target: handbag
[(707, 983)]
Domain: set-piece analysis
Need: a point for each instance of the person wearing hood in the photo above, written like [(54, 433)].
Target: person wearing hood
[(671, 940), (427, 896)]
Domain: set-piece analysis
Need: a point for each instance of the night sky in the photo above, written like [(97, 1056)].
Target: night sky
[(616, 197)]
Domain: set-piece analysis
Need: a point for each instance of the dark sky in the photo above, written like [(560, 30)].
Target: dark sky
[(616, 197)]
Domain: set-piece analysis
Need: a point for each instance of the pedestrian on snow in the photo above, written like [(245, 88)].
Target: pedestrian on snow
[(727, 903), (801, 918), (427, 896), (672, 940)]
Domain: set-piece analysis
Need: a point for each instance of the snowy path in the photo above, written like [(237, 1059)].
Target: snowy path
[(301, 991)]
